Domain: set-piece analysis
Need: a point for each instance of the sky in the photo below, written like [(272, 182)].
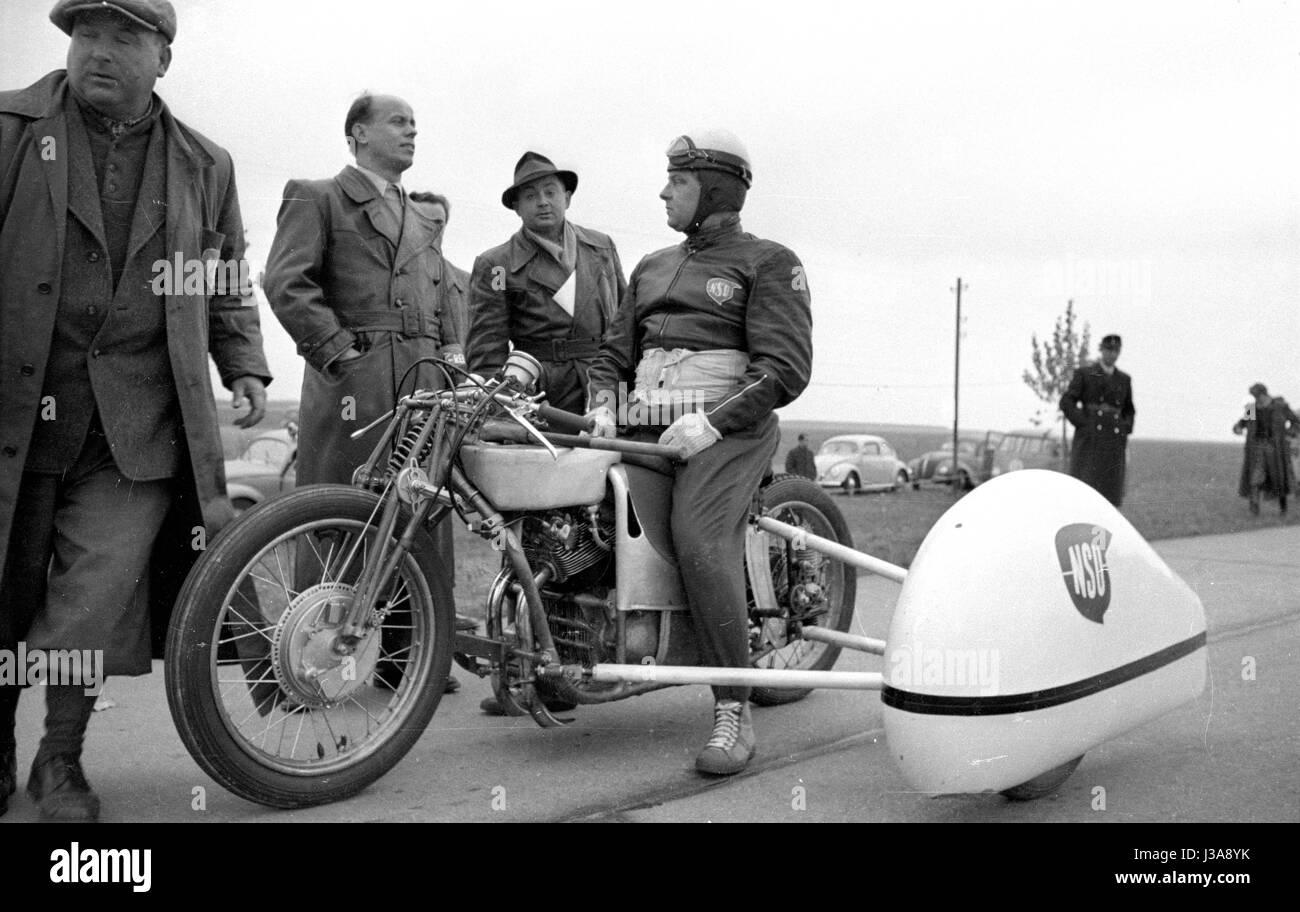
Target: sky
[(1137, 158)]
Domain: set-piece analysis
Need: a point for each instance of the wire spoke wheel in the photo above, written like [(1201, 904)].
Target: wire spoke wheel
[(792, 587), (269, 695)]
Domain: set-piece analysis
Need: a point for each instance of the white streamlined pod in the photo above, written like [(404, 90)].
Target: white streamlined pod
[(1034, 624)]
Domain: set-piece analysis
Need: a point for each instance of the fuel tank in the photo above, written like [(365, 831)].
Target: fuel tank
[(529, 478), (1034, 623)]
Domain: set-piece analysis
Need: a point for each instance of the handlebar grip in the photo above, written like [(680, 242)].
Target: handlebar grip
[(562, 420)]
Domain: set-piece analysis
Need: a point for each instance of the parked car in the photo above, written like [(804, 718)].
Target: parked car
[(859, 462), (1029, 448), (266, 467), (974, 463)]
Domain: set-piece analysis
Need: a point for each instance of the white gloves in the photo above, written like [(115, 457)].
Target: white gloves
[(690, 433), (604, 423)]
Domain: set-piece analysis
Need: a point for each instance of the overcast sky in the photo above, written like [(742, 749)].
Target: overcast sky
[(1138, 158)]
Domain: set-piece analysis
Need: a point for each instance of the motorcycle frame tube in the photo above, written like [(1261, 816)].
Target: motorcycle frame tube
[(845, 640), (803, 539), (737, 677)]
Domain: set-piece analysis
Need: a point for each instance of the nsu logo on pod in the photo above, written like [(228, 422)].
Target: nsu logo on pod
[(1081, 549)]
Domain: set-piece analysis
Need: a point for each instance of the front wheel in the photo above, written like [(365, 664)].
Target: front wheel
[(267, 695), (791, 588)]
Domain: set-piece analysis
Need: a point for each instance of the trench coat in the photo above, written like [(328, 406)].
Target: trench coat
[(335, 268), (1100, 407), (203, 219), (1269, 460), (511, 298)]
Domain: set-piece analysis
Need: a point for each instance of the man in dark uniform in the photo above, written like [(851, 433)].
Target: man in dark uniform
[(1266, 467), (1099, 403), (715, 333), (800, 460), (113, 214), (551, 290)]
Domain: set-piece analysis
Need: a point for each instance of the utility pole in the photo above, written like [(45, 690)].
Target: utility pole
[(956, 388)]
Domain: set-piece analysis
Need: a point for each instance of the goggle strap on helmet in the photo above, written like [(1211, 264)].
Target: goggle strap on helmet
[(684, 156)]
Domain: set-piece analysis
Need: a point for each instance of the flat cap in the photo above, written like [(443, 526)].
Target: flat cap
[(156, 15)]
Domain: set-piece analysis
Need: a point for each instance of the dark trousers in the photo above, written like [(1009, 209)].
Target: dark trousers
[(711, 498), (76, 577)]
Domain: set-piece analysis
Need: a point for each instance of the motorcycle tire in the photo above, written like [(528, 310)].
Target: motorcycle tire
[(237, 730), (1044, 784), (801, 501)]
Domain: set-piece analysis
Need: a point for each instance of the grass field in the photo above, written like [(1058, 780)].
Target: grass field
[(1175, 489)]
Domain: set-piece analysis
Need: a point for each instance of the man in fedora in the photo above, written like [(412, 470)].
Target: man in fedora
[(1099, 403), (551, 290), (108, 424)]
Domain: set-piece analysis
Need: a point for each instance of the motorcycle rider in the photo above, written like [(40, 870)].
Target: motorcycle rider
[(714, 333)]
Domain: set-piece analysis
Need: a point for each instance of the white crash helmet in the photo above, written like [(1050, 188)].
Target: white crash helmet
[(711, 150)]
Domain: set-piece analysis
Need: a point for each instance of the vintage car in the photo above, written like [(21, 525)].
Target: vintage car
[(859, 462), (1029, 448), (974, 463), (265, 468)]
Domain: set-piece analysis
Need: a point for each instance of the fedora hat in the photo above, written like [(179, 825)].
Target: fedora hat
[(531, 167)]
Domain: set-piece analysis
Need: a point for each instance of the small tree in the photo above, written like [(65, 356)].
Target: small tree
[(1054, 362)]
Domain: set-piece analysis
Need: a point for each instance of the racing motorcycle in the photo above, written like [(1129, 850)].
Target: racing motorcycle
[(310, 644)]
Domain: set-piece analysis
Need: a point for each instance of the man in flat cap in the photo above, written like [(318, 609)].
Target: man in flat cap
[(1266, 469), (110, 454), (1099, 403), (551, 290)]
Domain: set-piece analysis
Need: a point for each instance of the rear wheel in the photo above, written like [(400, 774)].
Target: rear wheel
[(900, 480), (267, 695), (791, 588), (852, 484)]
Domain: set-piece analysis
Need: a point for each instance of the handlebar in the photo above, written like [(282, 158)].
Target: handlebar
[(562, 420)]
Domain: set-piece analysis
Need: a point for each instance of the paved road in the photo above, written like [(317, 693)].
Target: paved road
[(1231, 755)]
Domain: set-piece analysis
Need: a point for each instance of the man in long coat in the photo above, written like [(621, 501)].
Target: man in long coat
[(1266, 467), (356, 276), (115, 219), (551, 290), (1099, 403)]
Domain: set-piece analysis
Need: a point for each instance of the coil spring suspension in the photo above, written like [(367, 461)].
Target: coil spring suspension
[(402, 451)]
